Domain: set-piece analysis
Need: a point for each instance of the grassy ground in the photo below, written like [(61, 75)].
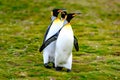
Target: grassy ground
[(22, 27)]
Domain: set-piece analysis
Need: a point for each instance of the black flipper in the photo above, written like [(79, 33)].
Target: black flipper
[(47, 31), (76, 44), (48, 41)]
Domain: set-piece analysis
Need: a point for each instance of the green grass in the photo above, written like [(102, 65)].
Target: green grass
[(22, 27)]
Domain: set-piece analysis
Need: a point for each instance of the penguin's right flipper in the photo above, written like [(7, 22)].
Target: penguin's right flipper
[(76, 44), (48, 41)]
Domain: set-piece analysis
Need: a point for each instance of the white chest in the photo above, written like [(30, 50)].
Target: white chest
[(55, 27), (65, 39)]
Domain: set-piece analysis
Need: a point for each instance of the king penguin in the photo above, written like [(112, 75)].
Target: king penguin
[(64, 46), (48, 52)]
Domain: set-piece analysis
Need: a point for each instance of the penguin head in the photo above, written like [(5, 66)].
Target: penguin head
[(55, 12), (71, 15), (63, 14)]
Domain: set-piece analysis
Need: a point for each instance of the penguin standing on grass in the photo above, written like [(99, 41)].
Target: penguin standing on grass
[(48, 52), (55, 37), (64, 46)]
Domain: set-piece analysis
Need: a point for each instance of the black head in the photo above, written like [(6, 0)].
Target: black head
[(63, 14), (55, 12), (70, 16)]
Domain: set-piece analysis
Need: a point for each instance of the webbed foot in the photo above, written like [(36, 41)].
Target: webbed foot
[(68, 70), (58, 68), (47, 66)]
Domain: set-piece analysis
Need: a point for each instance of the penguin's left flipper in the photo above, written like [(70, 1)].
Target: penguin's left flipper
[(76, 44), (47, 31), (48, 41)]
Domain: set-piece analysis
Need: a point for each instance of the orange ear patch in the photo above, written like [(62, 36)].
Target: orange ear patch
[(59, 11)]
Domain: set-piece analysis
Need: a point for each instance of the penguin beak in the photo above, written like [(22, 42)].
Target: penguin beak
[(61, 10), (78, 13), (75, 14)]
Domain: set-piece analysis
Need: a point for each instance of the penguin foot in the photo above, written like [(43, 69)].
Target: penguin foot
[(58, 68), (68, 70), (47, 66), (53, 65)]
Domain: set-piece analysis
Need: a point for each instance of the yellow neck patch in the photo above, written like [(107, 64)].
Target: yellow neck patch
[(56, 20), (68, 25)]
